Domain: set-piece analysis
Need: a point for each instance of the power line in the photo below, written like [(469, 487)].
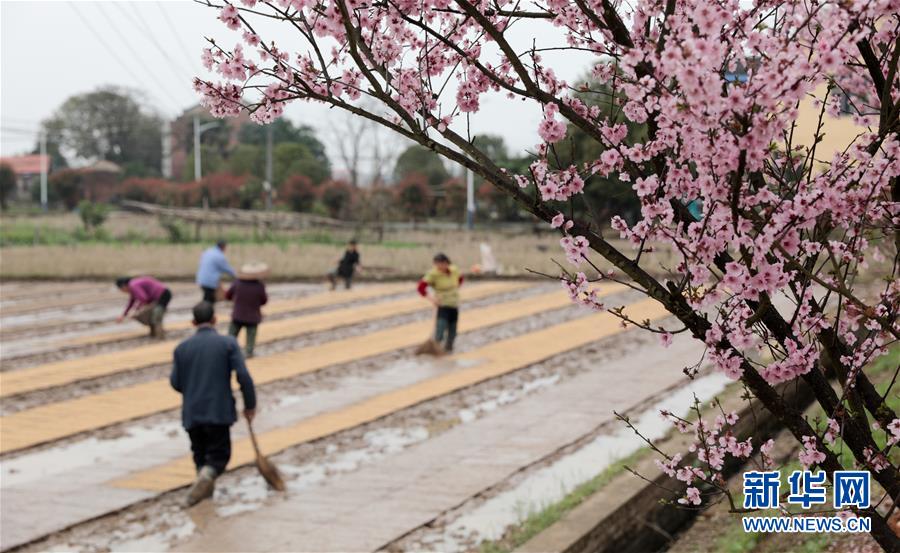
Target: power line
[(137, 57), (143, 28), (16, 130), (192, 60), (109, 50)]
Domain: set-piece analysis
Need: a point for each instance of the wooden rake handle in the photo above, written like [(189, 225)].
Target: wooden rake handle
[(253, 439)]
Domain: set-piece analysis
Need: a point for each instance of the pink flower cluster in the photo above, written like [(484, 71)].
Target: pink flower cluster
[(712, 445), (696, 110), (580, 291), (550, 129), (810, 455)]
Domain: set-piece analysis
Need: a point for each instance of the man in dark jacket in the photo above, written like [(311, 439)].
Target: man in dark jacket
[(202, 374), (346, 266)]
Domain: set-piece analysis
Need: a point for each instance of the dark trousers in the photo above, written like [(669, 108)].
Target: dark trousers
[(209, 294), (447, 318), (235, 328), (164, 298), (211, 445), (334, 275)]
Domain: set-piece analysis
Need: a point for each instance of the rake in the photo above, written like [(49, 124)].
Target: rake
[(268, 471)]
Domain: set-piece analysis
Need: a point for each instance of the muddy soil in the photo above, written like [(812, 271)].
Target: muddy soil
[(50, 340), (326, 379), (161, 522)]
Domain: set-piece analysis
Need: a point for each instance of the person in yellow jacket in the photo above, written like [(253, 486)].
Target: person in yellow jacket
[(444, 279)]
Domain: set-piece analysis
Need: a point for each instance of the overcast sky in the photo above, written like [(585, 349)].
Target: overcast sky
[(52, 50)]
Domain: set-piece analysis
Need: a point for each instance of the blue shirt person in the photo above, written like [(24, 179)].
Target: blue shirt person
[(213, 264)]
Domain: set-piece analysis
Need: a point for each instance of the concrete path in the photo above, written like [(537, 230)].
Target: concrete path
[(372, 507)]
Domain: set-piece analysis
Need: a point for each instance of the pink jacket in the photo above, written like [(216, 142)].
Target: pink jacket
[(143, 290)]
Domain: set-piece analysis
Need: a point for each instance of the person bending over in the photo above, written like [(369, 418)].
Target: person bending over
[(149, 298)]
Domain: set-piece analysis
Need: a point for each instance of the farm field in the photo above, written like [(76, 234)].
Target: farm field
[(55, 247), (365, 433)]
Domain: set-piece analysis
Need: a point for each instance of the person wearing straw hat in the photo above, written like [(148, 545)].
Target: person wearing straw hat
[(149, 297), (248, 293)]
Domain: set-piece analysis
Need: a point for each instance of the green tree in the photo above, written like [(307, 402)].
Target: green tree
[(93, 215), (414, 196), (247, 159), (283, 130), (7, 183), (108, 123), (452, 202), (299, 192), (607, 196), (421, 160), (297, 150), (497, 204), (293, 158), (337, 197)]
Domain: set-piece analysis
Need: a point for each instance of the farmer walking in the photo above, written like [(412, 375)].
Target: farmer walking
[(149, 298), (213, 264), (346, 266), (248, 293), (201, 373), (445, 279)]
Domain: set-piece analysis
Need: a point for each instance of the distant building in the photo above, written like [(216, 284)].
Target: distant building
[(181, 138), (28, 172)]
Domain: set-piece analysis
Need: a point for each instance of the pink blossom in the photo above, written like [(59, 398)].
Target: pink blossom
[(832, 432), (550, 129), (810, 455), (576, 248), (692, 497), (875, 459), (558, 220), (894, 428), (229, 15), (665, 339)]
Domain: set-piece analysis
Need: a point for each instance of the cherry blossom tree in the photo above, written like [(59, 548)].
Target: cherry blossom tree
[(769, 267)]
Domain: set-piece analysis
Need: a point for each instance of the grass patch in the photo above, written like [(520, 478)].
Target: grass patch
[(735, 540), (815, 543), (539, 521)]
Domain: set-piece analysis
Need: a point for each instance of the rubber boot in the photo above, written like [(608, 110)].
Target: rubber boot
[(203, 486)]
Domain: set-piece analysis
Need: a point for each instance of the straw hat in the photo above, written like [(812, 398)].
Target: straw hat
[(255, 270)]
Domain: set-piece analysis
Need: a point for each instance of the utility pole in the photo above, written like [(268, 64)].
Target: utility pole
[(197, 171), (470, 199), (166, 168), (198, 131), (44, 170), (267, 184)]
